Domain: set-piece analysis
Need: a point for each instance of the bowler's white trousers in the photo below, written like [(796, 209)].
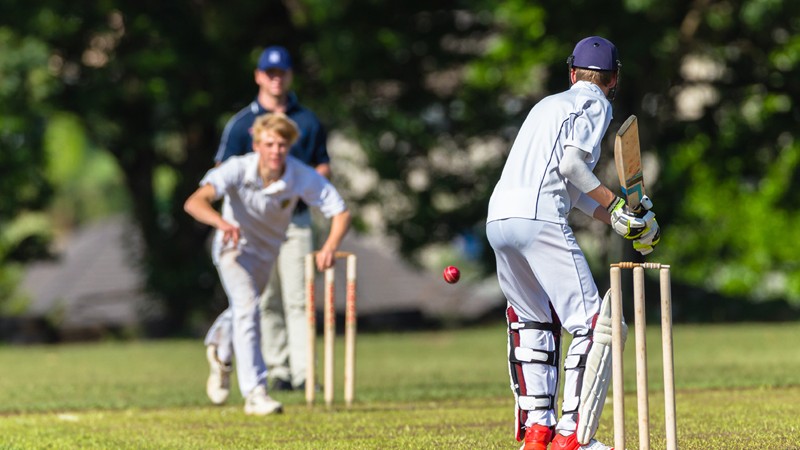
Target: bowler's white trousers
[(539, 267), (244, 277)]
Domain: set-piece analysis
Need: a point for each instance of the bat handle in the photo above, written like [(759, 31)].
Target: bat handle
[(645, 203)]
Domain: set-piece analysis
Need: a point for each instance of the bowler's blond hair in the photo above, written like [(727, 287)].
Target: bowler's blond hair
[(277, 123)]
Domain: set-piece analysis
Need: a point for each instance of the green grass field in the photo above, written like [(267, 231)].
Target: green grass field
[(738, 387)]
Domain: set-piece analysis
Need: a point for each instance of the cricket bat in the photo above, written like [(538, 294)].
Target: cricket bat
[(628, 159)]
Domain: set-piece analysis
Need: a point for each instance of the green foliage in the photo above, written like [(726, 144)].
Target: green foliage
[(165, 180), (25, 228), (13, 302), (24, 88), (746, 247), (24, 85), (88, 182), (734, 169), (412, 108), (65, 145), (25, 238)]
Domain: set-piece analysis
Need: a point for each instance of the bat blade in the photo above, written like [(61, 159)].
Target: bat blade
[(628, 159)]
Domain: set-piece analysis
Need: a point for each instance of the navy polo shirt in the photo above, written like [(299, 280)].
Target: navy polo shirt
[(310, 148)]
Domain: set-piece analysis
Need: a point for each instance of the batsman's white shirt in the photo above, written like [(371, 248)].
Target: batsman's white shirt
[(263, 215), (540, 267), (531, 186)]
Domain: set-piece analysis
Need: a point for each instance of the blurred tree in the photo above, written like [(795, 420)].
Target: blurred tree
[(152, 82), (730, 151), (437, 95), (86, 180), (434, 95), (24, 90)]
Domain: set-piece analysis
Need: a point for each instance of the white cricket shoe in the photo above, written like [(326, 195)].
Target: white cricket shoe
[(218, 386), (561, 442), (258, 403), (596, 445)]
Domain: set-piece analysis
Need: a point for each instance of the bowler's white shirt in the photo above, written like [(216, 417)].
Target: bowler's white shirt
[(531, 186), (263, 213)]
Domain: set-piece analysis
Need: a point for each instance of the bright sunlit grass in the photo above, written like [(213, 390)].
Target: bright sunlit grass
[(738, 386)]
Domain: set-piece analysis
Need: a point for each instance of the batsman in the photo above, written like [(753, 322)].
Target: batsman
[(542, 271)]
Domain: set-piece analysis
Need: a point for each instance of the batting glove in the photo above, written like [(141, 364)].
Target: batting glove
[(624, 223), (650, 238)]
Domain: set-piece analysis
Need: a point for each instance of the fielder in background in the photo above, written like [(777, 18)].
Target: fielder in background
[(283, 322), (542, 271), (260, 191)]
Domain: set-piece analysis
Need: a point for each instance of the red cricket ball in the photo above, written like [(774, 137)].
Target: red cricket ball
[(451, 274)]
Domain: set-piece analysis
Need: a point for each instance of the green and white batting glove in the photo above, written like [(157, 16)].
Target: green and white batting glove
[(650, 238), (623, 222)]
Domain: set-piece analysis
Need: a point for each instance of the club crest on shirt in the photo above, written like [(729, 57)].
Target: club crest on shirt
[(285, 203)]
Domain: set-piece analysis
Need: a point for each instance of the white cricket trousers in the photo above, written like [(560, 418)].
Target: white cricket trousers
[(539, 266), (237, 330), (284, 325)]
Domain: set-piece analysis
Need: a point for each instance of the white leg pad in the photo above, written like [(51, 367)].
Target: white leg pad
[(597, 375), (533, 355)]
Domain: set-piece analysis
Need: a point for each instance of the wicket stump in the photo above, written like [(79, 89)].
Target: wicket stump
[(330, 330), (641, 354)]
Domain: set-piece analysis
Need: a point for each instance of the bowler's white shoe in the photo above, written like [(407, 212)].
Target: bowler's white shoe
[(218, 386), (258, 403)]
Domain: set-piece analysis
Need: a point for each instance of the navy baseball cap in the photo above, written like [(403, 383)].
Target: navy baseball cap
[(275, 57), (595, 53)]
